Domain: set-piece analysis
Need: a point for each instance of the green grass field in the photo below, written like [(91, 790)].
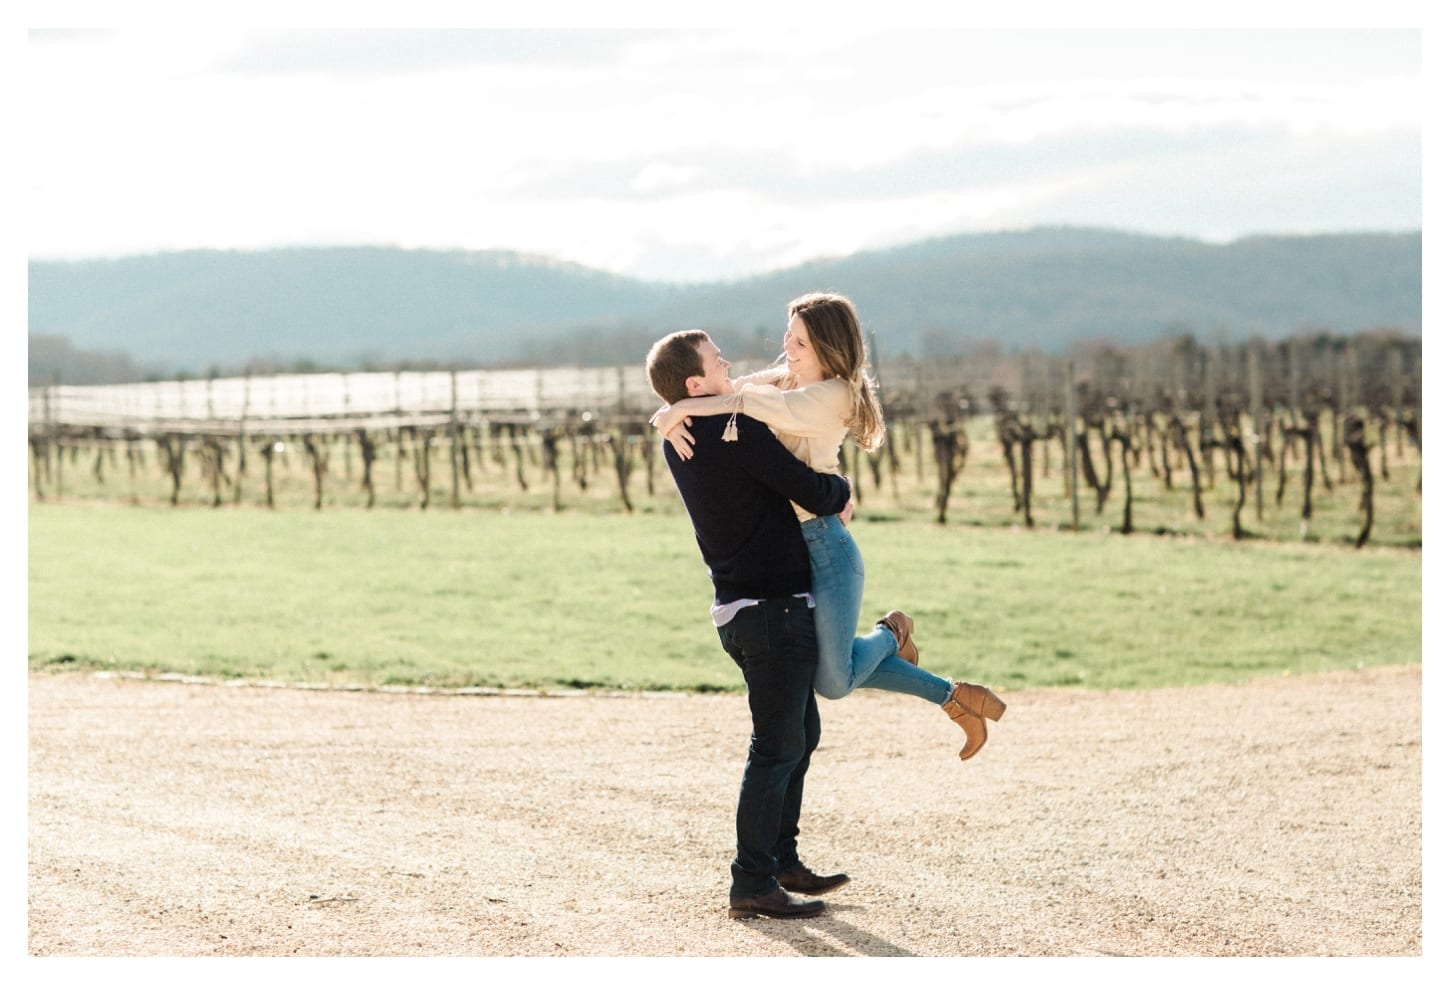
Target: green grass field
[(597, 597)]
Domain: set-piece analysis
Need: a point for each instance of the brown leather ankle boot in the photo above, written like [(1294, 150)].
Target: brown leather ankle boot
[(968, 706), (901, 626)]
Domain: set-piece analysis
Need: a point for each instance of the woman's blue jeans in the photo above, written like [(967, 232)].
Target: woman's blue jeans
[(848, 661)]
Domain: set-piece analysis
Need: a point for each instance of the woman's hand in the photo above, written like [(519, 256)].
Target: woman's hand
[(848, 512), (667, 418), (681, 439), (674, 426)]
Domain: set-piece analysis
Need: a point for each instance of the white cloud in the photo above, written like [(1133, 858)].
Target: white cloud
[(657, 176), (696, 154)]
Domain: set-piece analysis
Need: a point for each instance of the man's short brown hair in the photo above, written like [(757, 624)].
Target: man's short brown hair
[(673, 360)]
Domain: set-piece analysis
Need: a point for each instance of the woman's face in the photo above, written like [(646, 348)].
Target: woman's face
[(800, 354)]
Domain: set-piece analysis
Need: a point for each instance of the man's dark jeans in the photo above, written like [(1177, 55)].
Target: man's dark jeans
[(774, 644)]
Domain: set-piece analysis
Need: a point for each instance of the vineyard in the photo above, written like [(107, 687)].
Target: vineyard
[(1314, 438)]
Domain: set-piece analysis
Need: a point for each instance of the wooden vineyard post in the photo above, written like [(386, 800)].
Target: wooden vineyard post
[(649, 448), (918, 441), (1236, 459), (1343, 407), (1089, 472), (213, 466), (1307, 433), (1354, 439), (242, 441), (57, 446), (1009, 436), (1069, 443), (1164, 445), (620, 445), (173, 452), (549, 442), (39, 446), (453, 438), (1256, 428), (132, 453), (1396, 373), (98, 463), (1313, 414), (854, 469), (1029, 435), (1209, 398), (1412, 427), (398, 456), (581, 445), (468, 453), (1124, 440), (423, 465), (1145, 421), (269, 451), (1285, 444), (1179, 435), (947, 444), (346, 438), (39, 458), (1311, 449), (475, 455), (518, 457), (369, 450), (317, 458)]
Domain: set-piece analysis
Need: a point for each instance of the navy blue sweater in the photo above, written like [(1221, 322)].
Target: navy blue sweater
[(738, 494)]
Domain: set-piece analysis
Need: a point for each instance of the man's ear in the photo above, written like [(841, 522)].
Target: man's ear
[(693, 385)]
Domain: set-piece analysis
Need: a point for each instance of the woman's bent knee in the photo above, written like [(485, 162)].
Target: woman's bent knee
[(832, 689)]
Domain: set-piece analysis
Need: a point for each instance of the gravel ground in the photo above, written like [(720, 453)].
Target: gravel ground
[(1280, 817)]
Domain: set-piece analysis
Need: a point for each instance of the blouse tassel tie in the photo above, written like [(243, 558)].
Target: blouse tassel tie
[(731, 434)]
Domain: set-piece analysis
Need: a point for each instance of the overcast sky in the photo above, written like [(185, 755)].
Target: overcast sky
[(709, 154)]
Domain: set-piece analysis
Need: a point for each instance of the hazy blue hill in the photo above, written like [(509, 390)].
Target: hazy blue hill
[(1047, 288), (196, 309)]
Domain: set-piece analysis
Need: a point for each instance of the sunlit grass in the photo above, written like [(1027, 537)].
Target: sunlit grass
[(601, 598)]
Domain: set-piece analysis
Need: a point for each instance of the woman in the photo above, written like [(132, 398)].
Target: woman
[(811, 398)]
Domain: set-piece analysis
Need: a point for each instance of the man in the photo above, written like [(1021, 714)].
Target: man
[(738, 494)]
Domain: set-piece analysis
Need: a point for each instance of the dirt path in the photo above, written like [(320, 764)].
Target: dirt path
[(1276, 818)]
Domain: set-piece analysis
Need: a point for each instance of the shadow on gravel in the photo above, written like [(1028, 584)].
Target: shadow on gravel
[(812, 937)]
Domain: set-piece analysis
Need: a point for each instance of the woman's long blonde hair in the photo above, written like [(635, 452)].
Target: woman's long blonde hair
[(835, 332)]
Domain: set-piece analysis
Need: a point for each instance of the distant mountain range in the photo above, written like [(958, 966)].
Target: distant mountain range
[(197, 312)]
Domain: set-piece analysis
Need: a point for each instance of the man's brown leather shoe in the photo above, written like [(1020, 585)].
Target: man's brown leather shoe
[(777, 904), (802, 880)]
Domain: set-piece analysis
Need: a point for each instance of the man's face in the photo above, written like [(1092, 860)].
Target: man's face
[(717, 371)]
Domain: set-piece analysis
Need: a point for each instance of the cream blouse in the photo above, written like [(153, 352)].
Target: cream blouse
[(810, 422)]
